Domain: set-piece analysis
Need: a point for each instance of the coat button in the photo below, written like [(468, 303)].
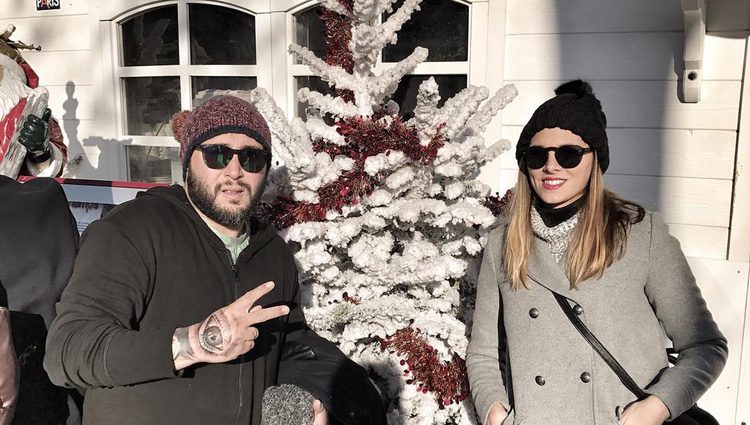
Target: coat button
[(534, 313), (585, 377), (578, 310), (539, 380)]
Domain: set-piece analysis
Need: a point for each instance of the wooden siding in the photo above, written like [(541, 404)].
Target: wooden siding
[(639, 103), (675, 158), (608, 16), (724, 287), (619, 56), (14, 10), (68, 67)]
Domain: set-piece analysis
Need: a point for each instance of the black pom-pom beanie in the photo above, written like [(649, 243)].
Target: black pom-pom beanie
[(574, 108)]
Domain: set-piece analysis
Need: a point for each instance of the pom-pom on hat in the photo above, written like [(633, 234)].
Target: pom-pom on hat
[(576, 109), (218, 115)]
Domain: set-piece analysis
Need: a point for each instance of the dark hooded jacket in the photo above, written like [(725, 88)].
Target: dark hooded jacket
[(38, 244), (150, 266)]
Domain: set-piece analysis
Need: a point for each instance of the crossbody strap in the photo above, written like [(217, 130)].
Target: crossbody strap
[(599, 347)]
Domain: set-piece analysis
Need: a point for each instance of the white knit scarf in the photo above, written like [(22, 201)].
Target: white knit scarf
[(558, 236)]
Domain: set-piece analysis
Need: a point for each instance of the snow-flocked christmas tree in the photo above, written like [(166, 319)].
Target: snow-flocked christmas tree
[(386, 216)]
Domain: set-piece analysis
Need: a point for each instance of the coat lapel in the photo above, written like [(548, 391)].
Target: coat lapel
[(548, 273)]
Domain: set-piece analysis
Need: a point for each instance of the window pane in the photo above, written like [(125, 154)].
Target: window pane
[(221, 36), (310, 32), (157, 164), (149, 104), (406, 93), (150, 38), (202, 86), (442, 26), (313, 83)]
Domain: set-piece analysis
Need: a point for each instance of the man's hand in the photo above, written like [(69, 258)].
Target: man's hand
[(649, 411), (227, 333), (496, 415), (321, 415), (34, 135)]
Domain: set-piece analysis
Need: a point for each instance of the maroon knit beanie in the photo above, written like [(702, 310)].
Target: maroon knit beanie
[(218, 115)]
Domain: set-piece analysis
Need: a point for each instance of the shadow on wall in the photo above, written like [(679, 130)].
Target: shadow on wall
[(80, 152), (673, 157), (619, 47)]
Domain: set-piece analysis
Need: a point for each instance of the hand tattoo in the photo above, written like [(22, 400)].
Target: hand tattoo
[(214, 334), (181, 343)]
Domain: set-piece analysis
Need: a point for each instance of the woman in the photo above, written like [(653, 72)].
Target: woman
[(616, 263)]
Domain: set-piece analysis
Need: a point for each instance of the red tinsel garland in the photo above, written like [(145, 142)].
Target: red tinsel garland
[(284, 212), (447, 380), (351, 299), (365, 137), (338, 36), (496, 204)]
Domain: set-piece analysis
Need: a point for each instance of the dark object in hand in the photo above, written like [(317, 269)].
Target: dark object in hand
[(34, 136)]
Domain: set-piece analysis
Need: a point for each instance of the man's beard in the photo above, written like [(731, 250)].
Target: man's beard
[(206, 202)]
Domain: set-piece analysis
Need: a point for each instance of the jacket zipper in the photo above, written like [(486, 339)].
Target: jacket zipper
[(235, 291)]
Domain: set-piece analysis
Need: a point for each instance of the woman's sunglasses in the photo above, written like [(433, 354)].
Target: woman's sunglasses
[(568, 156), (217, 157)]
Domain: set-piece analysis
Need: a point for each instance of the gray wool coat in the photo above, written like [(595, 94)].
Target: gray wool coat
[(642, 299)]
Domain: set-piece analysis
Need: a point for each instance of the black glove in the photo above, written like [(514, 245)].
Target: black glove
[(34, 136)]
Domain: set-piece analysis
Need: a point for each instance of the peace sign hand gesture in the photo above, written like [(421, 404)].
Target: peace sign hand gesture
[(227, 333)]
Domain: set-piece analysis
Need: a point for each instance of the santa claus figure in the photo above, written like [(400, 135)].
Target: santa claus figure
[(31, 142)]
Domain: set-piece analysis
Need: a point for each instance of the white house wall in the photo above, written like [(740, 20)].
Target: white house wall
[(70, 69), (739, 246), (676, 158), (690, 188)]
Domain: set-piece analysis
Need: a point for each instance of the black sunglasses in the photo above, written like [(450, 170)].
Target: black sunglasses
[(568, 156), (218, 157)]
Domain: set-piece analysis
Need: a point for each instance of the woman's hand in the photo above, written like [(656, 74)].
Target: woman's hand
[(497, 415), (649, 411)]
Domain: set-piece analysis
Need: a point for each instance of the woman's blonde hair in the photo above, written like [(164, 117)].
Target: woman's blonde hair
[(597, 241)]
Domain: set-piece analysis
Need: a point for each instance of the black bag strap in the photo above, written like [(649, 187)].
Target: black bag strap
[(599, 347), (504, 355)]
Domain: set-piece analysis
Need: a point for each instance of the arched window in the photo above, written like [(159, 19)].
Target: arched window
[(168, 55), (170, 58), (309, 32), (442, 26)]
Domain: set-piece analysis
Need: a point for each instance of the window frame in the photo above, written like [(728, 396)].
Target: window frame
[(274, 32), (184, 70), (476, 42)]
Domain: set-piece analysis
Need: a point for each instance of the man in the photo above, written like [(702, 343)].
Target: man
[(181, 301), (40, 136), (38, 244)]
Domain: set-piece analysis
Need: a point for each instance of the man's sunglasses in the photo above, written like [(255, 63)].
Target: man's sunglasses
[(568, 156), (218, 157)]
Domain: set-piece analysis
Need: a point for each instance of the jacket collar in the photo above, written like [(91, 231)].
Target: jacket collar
[(261, 233), (546, 271)]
